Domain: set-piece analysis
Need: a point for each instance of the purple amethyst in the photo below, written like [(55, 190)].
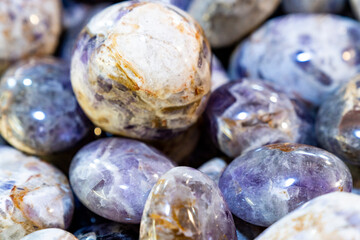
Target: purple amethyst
[(248, 113), (113, 177), (265, 184)]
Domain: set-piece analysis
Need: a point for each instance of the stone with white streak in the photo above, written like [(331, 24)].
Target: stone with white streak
[(334, 216)]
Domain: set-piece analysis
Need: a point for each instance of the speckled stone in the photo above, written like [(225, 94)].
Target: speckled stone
[(299, 52), (226, 21), (334, 216), (338, 122), (313, 6), (28, 28), (113, 177), (108, 231), (38, 109), (50, 234), (33, 195), (355, 5), (219, 76), (186, 204), (213, 168), (142, 70), (248, 113), (265, 184)]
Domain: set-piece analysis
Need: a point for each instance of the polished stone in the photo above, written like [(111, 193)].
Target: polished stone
[(249, 113), (313, 6), (299, 52), (338, 122), (142, 70), (38, 109), (50, 234), (213, 168), (186, 204), (28, 28), (334, 216), (265, 184), (113, 177), (33, 195), (108, 231)]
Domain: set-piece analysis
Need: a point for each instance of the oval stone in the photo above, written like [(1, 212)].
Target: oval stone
[(186, 204), (265, 184), (33, 195), (298, 53), (331, 216), (113, 177), (338, 122), (50, 234)]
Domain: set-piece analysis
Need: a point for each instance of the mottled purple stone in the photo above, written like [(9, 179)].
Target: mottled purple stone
[(338, 123), (39, 113), (265, 184), (113, 177), (108, 231), (186, 204), (249, 113), (301, 54)]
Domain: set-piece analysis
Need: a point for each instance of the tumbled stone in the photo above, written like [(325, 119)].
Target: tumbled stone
[(331, 216), (186, 204), (39, 113), (142, 70), (113, 177), (213, 168), (108, 231), (50, 234), (226, 21), (298, 52), (338, 122), (265, 184), (28, 28), (313, 6), (33, 195), (248, 113)]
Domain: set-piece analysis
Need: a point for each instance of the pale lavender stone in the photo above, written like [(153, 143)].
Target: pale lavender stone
[(331, 216), (186, 204), (33, 195), (265, 184), (113, 177), (299, 52), (50, 234), (213, 168), (248, 113), (313, 6)]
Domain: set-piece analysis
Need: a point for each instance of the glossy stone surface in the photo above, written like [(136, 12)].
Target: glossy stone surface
[(218, 75), (213, 168), (338, 122), (142, 70), (249, 113), (226, 21), (186, 204), (33, 195), (313, 6), (331, 216), (108, 231), (298, 53), (28, 28), (265, 184), (38, 109), (50, 234), (113, 177)]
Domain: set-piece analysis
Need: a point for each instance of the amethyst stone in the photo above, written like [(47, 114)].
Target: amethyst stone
[(38, 109), (265, 184), (247, 114), (186, 204), (113, 177), (299, 52), (338, 122)]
